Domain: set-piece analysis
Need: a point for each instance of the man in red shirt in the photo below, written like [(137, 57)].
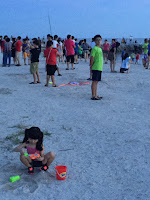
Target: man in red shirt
[(51, 67), (18, 45), (69, 44)]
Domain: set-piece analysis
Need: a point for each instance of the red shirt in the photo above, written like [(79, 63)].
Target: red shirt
[(69, 44), (106, 46), (50, 56), (18, 45), (3, 46), (138, 57)]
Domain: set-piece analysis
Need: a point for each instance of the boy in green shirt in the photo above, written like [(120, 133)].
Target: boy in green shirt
[(96, 64), (145, 49)]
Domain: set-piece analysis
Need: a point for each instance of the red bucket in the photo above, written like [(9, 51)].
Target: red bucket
[(61, 172)]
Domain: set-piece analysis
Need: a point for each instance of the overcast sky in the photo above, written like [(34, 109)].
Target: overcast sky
[(81, 18)]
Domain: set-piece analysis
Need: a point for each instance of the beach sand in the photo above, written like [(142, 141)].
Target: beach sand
[(105, 144)]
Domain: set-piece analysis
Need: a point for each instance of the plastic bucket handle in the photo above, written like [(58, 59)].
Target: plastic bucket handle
[(60, 175)]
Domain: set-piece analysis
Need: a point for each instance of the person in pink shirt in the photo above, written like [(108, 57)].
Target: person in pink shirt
[(105, 51), (69, 44)]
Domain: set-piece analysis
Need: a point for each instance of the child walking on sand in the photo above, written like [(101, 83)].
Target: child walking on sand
[(96, 63), (51, 62), (33, 142)]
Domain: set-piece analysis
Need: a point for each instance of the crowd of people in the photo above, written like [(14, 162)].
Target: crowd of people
[(69, 51)]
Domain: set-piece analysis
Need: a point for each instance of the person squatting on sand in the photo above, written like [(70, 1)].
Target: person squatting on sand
[(33, 142), (125, 64), (96, 64), (51, 62)]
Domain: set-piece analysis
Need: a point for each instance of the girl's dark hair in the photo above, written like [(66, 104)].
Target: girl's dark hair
[(125, 56), (7, 39), (34, 133), (49, 43), (55, 37)]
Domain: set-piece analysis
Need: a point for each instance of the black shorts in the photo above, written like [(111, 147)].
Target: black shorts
[(96, 75), (105, 51), (71, 57), (51, 69), (36, 163)]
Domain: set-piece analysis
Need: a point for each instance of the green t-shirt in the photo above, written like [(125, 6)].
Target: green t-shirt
[(98, 58), (145, 47), (80, 51)]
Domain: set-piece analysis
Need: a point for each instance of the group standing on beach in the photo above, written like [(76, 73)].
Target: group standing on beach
[(69, 51)]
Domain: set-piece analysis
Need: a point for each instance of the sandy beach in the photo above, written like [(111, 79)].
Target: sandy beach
[(105, 144)]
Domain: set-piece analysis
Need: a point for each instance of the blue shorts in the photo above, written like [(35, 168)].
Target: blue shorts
[(146, 57), (77, 53), (96, 75)]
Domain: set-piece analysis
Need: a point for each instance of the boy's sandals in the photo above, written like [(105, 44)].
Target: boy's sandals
[(59, 75), (38, 82), (73, 68), (54, 86), (67, 69), (32, 83), (46, 85)]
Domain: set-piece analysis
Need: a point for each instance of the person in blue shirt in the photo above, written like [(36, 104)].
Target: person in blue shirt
[(76, 49), (125, 64)]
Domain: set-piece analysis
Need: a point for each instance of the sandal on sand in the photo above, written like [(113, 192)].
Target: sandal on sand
[(99, 97), (89, 79), (32, 83), (46, 85), (73, 68), (95, 98), (67, 69), (38, 82), (54, 86), (59, 75)]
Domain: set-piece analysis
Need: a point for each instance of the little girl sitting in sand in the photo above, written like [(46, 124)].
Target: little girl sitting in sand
[(126, 63), (33, 142)]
